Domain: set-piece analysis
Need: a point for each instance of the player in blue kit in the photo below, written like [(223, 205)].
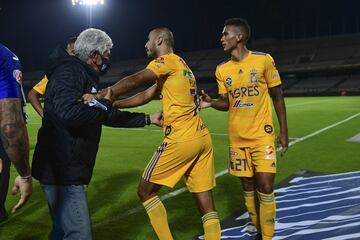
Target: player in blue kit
[(14, 140)]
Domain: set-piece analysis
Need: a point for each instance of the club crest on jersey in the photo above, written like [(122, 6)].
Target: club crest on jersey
[(17, 74), (228, 81), (253, 76)]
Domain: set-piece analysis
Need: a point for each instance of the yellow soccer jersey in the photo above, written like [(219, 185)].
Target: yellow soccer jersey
[(180, 101), (40, 87), (246, 83)]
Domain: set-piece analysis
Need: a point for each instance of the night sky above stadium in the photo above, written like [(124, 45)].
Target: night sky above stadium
[(32, 28)]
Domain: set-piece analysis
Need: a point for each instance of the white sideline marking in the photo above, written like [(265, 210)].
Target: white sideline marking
[(355, 138), (306, 103), (323, 129), (219, 174)]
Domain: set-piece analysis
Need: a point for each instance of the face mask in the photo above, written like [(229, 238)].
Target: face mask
[(104, 67)]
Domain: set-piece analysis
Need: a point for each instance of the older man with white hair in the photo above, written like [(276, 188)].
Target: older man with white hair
[(69, 137)]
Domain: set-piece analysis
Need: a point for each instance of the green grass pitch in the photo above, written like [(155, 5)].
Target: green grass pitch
[(124, 153)]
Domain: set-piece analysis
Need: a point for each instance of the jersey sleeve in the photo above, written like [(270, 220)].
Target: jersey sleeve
[(272, 75), (40, 87), (220, 82), (160, 66), (10, 78)]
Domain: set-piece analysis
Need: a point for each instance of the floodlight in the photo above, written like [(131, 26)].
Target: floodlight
[(88, 2)]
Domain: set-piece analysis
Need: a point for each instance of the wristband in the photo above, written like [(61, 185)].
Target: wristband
[(147, 119)]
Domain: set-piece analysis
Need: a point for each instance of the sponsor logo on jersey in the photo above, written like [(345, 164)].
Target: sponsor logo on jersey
[(202, 126), (270, 153), (239, 104), (228, 81), (232, 153), (188, 73), (268, 128), (269, 149), (275, 75), (17, 74)]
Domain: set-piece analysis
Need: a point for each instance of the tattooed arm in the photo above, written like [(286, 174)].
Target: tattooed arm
[(14, 139)]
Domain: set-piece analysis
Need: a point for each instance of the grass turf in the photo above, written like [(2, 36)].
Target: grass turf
[(124, 153)]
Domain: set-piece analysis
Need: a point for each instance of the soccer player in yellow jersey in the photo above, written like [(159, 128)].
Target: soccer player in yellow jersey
[(186, 150), (39, 89), (246, 83)]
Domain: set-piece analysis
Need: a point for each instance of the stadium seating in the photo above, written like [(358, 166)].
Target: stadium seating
[(313, 66)]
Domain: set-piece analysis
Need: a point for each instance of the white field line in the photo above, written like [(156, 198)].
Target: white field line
[(219, 174), (306, 103)]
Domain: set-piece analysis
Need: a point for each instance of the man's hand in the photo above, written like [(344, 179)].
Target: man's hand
[(87, 97), (157, 119), (24, 186), (104, 94), (205, 100), (282, 142)]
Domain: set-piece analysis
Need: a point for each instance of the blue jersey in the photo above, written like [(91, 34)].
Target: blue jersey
[(10, 74)]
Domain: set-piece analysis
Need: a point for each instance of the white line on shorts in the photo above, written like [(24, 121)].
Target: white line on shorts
[(219, 174)]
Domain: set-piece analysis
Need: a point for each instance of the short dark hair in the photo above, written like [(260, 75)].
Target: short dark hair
[(242, 24), (71, 40), (166, 34)]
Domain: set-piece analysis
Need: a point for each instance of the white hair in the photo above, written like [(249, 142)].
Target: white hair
[(92, 39)]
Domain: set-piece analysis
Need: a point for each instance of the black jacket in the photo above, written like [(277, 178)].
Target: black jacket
[(69, 137)]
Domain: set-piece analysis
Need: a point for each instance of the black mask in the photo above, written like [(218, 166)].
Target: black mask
[(104, 66)]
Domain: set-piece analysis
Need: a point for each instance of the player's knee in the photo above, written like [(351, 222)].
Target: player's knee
[(248, 184), (145, 191), (266, 188), (141, 192)]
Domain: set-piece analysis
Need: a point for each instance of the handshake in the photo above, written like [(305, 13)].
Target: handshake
[(92, 101), (107, 94)]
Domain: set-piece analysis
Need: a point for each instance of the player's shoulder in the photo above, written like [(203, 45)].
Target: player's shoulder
[(260, 54), (223, 63), (7, 55)]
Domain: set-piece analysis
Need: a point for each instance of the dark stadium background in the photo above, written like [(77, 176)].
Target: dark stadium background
[(33, 28), (315, 44)]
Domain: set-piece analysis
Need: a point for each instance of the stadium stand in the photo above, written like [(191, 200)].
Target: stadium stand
[(312, 66)]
